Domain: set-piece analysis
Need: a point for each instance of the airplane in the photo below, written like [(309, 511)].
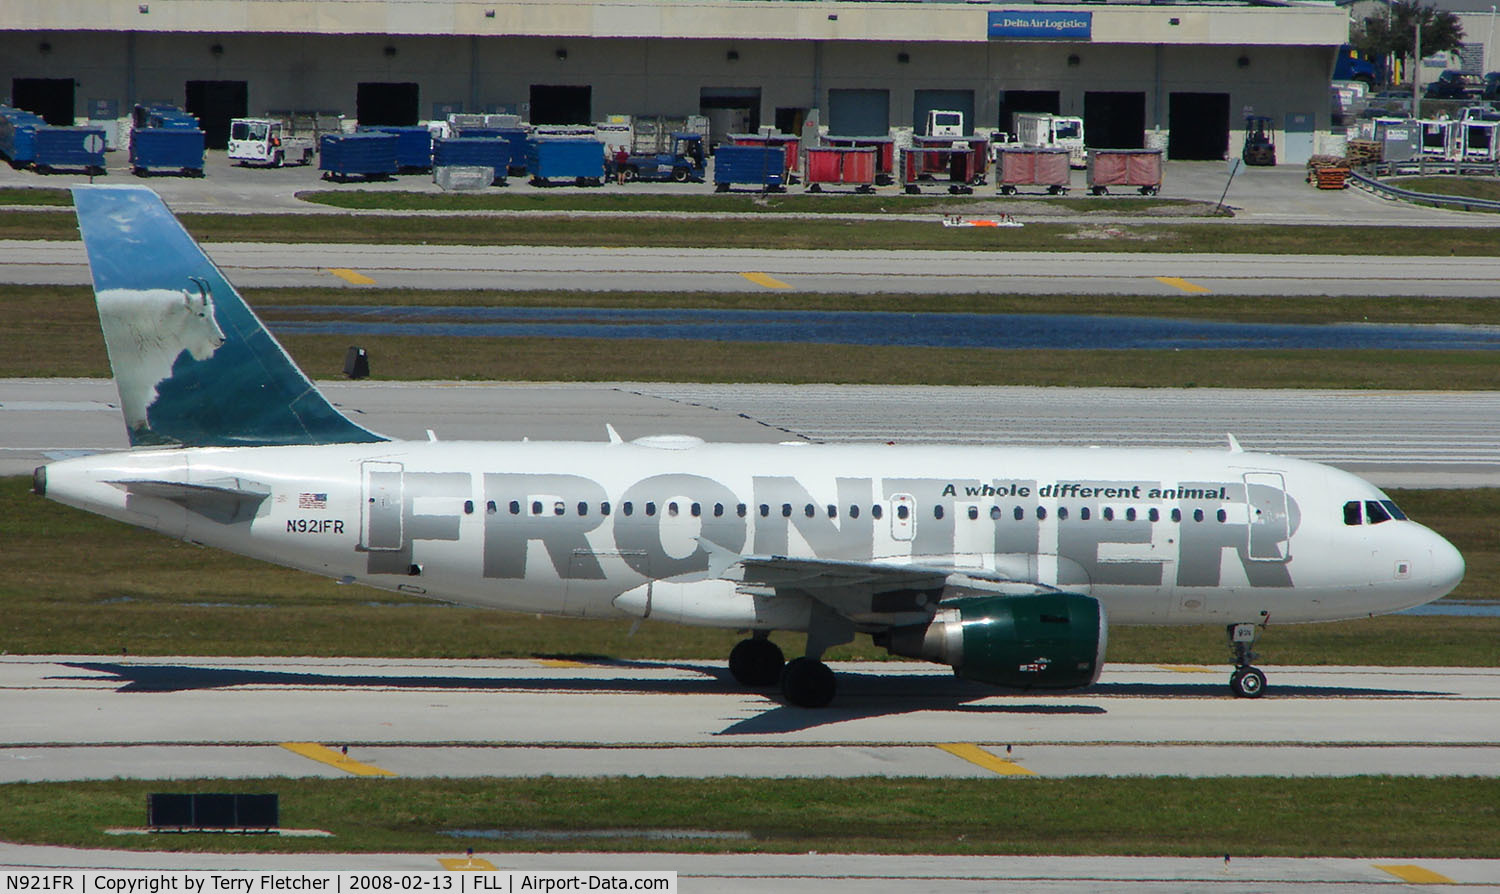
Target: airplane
[(1007, 564)]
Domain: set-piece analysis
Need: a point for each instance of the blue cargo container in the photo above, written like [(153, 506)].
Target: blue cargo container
[(366, 155), (763, 167), (18, 135), (517, 137), (167, 148), (481, 152), (565, 158), (145, 117), (413, 146), (69, 147)]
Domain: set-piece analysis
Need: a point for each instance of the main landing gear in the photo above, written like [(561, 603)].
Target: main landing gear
[(1246, 681), (806, 682)]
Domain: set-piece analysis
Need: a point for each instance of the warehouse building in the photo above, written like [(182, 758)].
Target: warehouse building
[(1181, 75)]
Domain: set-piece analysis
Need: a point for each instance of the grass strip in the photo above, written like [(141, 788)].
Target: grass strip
[(1466, 187), (781, 233), (39, 195), (741, 203), (77, 583), (1348, 817)]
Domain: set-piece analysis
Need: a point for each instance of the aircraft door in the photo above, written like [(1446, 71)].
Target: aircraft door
[(381, 523), (903, 516), (1270, 525)]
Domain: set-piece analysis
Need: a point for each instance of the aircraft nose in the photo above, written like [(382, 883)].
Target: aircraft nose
[(1446, 569)]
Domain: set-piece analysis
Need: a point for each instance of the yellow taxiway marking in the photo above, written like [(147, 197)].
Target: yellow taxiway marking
[(466, 864), (1179, 283), (1415, 874), (559, 662), (351, 277), (976, 755), (762, 279), (325, 755), (1186, 669)]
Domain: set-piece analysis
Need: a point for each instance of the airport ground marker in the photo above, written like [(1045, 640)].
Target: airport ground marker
[(1179, 283), (762, 279), (466, 864), (352, 277), (1415, 874), (975, 755), (336, 759)]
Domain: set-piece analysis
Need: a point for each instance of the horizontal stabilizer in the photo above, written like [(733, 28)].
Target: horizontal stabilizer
[(225, 500)]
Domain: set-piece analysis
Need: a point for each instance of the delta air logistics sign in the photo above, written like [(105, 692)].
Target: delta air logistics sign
[(1028, 24)]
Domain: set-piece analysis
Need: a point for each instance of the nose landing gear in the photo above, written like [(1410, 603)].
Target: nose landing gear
[(1247, 681)]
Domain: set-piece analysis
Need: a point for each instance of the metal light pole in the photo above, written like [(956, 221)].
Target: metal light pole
[(1416, 70)]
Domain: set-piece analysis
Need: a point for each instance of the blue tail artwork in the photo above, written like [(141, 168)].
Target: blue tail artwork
[(193, 363)]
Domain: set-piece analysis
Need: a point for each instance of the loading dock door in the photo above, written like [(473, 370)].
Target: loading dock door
[(859, 113), (1199, 125), (215, 103), (390, 105), (561, 104), (52, 98), (1114, 120), (1013, 101), (924, 101)]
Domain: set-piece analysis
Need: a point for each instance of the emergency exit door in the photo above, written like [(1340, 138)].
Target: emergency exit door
[(381, 523)]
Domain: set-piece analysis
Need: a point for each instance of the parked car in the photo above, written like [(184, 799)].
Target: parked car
[(1455, 85)]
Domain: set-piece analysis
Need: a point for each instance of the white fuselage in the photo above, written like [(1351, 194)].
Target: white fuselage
[(1158, 536)]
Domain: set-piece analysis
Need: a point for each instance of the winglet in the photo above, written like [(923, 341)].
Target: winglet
[(193, 363), (1234, 446), (614, 436)]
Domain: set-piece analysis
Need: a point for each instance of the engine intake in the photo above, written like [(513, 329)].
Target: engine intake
[(1045, 641)]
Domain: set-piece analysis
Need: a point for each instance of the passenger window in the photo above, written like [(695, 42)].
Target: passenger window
[(786, 510), (515, 507), (536, 507), (973, 513), (1083, 513), (468, 507), (937, 511), (1176, 515), (833, 511), (650, 508), (903, 512), (489, 507), (1109, 513), (1394, 510), (627, 507), (1221, 515), (810, 510), (1018, 513), (740, 510), (583, 508), (1197, 515), (1130, 514), (1375, 513), (854, 510), (1153, 515), (604, 508), (765, 510), (696, 510), (1041, 513), (559, 508), (995, 513), (672, 508), (1062, 513), (876, 511), (718, 510)]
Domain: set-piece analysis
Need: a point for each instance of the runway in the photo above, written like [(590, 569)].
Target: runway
[(99, 717), (1394, 438), (252, 265)]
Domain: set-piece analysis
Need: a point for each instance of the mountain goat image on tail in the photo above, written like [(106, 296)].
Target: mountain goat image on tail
[(146, 331)]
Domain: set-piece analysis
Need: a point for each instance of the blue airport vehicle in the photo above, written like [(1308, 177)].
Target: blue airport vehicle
[(162, 116), (579, 159), (79, 148), (483, 152), (167, 148), (18, 135), (684, 162), (763, 167), (413, 146), (517, 138), (368, 156)]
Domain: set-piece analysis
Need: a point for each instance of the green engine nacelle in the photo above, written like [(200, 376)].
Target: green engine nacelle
[(1046, 641)]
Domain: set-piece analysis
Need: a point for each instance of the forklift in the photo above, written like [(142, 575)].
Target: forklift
[(1260, 141), (684, 161)]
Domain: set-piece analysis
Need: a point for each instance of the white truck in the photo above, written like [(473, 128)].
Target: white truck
[(266, 142), (1059, 131), (944, 123)]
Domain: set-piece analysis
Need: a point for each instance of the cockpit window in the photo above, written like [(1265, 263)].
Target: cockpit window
[(1353, 514), (1375, 512), (1394, 510)]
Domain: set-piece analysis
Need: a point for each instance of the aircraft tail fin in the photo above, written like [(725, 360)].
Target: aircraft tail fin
[(193, 363)]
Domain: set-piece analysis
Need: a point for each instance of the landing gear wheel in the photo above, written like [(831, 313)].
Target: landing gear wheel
[(807, 683), (1248, 682), (756, 663)]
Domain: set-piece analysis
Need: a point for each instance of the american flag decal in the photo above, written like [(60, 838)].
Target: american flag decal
[(312, 501)]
